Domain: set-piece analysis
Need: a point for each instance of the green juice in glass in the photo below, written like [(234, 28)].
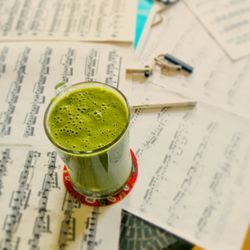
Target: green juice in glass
[(88, 124)]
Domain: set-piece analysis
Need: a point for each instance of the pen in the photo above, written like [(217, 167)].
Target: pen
[(183, 104)]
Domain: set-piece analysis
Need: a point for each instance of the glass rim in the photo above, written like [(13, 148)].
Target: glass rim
[(85, 152)]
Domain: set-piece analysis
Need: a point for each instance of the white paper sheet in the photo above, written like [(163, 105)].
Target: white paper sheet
[(215, 78), (36, 211), (228, 22), (30, 71), (146, 94), (95, 20), (193, 163), (194, 167)]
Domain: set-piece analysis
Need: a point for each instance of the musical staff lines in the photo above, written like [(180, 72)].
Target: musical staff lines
[(4, 159), (13, 95), (68, 225), (42, 221), (19, 201), (91, 227)]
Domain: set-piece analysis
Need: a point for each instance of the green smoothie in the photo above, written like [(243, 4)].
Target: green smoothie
[(88, 124), (87, 119)]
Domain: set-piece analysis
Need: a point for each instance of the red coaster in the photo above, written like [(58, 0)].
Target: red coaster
[(96, 202)]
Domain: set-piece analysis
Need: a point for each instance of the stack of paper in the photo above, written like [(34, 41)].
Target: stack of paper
[(193, 161), (36, 211)]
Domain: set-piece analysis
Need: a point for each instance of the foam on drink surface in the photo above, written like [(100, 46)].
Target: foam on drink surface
[(87, 119)]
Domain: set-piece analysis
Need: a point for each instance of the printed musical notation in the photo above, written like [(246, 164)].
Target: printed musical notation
[(3, 55), (215, 78), (227, 22), (39, 98), (37, 212), (68, 225), (19, 201), (67, 60), (33, 71), (91, 227), (111, 20), (42, 220), (13, 93), (4, 159), (195, 162)]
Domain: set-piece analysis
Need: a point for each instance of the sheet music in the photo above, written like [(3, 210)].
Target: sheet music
[(30, 71), (145, 92), (228, 22), (95, 20), (195, 162), (36, 211), (193, 173), (215, 79)]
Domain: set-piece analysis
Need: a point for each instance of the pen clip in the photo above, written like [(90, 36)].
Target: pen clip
[(175, 61), (165, 65), (171, 63)]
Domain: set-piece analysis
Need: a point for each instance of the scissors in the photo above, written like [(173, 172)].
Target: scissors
[(164, 4)]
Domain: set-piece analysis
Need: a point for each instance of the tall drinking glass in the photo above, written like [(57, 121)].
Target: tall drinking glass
[(88, 123)]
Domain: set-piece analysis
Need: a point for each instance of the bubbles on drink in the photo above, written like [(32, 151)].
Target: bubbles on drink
[(87, 119)]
